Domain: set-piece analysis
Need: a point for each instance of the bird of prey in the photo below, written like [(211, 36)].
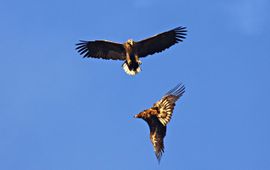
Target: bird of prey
[(159, 115), (131, 51)]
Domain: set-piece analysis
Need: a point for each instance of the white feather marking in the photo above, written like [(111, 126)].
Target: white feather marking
[(130, 72)]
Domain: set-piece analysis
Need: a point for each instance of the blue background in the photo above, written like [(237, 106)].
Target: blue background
[(59, 111)]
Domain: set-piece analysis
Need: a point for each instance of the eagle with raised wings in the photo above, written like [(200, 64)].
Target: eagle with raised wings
[(159, 115), (131, 51)]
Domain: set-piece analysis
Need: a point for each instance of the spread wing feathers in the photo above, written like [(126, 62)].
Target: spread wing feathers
[(166, 104), (157, 134), (101, 49), (160, 42)]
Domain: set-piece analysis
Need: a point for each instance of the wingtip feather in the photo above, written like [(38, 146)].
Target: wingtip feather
[(180, 33), (178, 90)]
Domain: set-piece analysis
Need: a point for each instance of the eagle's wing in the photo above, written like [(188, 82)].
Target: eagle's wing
[(101, 49), (166, 105), (157, 134), (160, 42)]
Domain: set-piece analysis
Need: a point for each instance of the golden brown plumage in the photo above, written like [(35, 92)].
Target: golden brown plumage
[(159, 115), (131, 51)]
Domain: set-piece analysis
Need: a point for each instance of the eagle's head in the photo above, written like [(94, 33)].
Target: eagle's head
[(130, 42), (138, 116), (144, 114)]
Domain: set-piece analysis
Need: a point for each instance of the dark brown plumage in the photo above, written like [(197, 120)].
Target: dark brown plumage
[(159, 115), (131, 51)]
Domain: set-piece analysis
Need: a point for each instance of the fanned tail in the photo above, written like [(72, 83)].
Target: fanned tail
[(132, 69)]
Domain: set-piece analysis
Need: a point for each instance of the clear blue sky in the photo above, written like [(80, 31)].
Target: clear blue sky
[(59, 111)]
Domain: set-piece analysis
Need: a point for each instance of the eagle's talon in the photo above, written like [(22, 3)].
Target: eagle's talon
[(129, 62)]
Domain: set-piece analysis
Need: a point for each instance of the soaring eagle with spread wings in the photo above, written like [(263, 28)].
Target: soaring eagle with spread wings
[(131, 51), (159, 115)]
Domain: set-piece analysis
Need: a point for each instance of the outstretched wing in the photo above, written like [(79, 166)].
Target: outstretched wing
[(101, 49), (166, 105), (157, 134), (160, 42)]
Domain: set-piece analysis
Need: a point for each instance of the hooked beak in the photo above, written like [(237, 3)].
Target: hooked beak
[(135, 116)]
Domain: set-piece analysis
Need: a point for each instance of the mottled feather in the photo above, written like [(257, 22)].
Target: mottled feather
[(157, 134), (166, 105)]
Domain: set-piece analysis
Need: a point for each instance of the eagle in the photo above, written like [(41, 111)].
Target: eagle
[(131, 51), (159, 115)]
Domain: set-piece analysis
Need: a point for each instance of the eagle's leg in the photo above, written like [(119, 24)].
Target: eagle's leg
[(138, 60), (128, 59)]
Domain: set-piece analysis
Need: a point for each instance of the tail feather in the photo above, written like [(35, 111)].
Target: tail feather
[(130, 69)]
